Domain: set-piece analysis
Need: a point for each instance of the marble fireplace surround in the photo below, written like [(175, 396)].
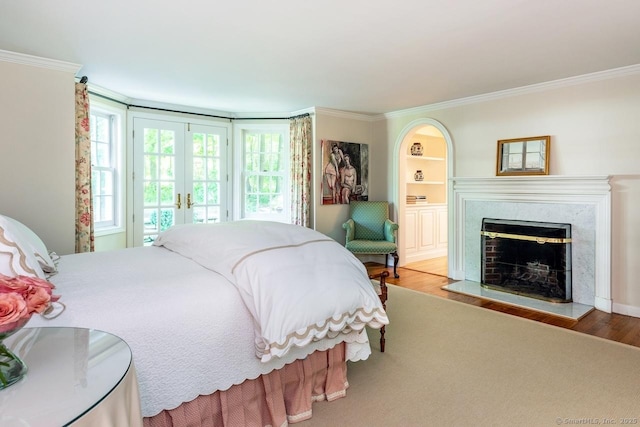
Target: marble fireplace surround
[(582, 201)]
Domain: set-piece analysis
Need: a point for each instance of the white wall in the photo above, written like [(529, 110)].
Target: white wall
[(37, 151), (345, 127), (595, 130)]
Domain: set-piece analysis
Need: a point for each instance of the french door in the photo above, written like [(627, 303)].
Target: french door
[(180, 176)]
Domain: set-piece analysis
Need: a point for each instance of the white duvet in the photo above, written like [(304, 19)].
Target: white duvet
[(192, 332), (298, 284)]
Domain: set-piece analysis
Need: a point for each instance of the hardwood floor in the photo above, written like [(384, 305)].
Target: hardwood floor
[(615, 327)]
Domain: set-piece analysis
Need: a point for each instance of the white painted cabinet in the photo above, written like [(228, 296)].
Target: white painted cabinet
[(425, 232)]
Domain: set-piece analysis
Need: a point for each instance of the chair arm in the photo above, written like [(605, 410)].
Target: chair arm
[(390, 228), (350, 226)]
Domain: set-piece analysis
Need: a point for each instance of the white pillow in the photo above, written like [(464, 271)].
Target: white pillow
[(16, 257), (33, 244)]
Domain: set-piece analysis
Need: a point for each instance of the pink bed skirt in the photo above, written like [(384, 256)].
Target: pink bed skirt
[(274, 399)]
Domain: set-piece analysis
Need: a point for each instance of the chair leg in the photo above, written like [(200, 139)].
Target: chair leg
[(395, 264)]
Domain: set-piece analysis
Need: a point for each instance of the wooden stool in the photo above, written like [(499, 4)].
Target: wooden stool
[(382, 293)]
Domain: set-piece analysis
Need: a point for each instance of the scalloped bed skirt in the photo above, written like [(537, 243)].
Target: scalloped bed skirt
[(278, 398)]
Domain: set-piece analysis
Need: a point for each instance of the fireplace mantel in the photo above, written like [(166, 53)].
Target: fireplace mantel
[(536, 198)]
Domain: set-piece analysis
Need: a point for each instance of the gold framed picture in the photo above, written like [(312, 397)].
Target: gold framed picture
[(523, 156)]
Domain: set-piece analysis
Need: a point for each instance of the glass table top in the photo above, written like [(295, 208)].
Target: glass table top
[(70, 371)]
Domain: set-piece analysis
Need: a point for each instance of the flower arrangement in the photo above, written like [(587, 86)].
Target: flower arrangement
[(20, 297)]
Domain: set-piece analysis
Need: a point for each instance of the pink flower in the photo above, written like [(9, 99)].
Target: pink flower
[(13, 308), (85, 219), (22, 296)]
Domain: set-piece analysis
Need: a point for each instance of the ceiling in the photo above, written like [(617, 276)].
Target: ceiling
[(371, 57)]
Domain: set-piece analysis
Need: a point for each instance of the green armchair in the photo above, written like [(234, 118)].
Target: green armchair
[(370, 231)]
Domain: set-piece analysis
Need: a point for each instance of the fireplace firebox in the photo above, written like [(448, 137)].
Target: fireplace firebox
[(527, 258)]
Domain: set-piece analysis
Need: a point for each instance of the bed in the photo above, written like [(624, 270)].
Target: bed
[(237, 323)]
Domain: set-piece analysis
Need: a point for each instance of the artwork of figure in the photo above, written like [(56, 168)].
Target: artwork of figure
[(332, 170), (348, 178), (345, 172)]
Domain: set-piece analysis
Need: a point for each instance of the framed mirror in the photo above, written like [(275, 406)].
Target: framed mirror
[(523, 156)]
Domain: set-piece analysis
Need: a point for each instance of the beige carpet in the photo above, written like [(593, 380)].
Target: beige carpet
[(451, 364)]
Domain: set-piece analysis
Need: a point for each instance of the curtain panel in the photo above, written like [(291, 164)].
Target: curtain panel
[(84, 200), (301, 142)]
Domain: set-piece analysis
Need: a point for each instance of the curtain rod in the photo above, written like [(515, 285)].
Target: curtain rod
[(197, 114)]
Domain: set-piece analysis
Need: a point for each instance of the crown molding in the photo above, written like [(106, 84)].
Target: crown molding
[(344, 114), (539, 87), (36, 61)]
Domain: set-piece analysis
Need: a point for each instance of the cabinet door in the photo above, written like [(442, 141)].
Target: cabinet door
[(427, 219), (410, 227)]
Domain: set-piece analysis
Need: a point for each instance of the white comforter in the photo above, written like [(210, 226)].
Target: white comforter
[(189, 329), (298, 284)]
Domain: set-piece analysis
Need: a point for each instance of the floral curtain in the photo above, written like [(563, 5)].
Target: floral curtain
[(84, 209), (301, 142)]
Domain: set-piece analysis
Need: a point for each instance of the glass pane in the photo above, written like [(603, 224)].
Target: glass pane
[(151, 220), (251, 203), (198, 144), (106, 209), (167, 193), (167, 167), (213, 169), (251, 162), (151, 140), (106, 183), (251, 184), (277, 204), (213, 214), (516, 148), (213, 193), (199, 214), (102, 129), (97, 210), (198, 193), (166, 218), (150, 194), (150, 167), (515, 161), (167, 141), (213, 145), (263, 203), (102, 155), (198, 168)]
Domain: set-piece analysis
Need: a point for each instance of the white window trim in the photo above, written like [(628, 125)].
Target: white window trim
[(238, 170), (119, 114)]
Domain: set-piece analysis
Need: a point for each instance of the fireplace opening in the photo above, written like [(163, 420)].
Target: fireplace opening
[(527, 258)]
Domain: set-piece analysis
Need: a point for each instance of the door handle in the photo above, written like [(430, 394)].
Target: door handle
[(189, 204), (179, 202)]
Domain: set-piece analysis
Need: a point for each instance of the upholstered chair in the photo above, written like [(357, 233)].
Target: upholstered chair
[(371, 232)]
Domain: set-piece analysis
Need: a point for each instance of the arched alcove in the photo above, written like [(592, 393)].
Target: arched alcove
[(435, 213)]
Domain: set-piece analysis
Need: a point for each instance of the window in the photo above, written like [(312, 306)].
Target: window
[(264, 179), (105, 184)]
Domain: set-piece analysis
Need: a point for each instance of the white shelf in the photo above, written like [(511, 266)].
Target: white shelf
[(438, 159)]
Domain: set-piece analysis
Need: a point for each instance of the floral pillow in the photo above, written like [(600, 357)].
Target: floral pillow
[(32, 243), (16, 257)]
